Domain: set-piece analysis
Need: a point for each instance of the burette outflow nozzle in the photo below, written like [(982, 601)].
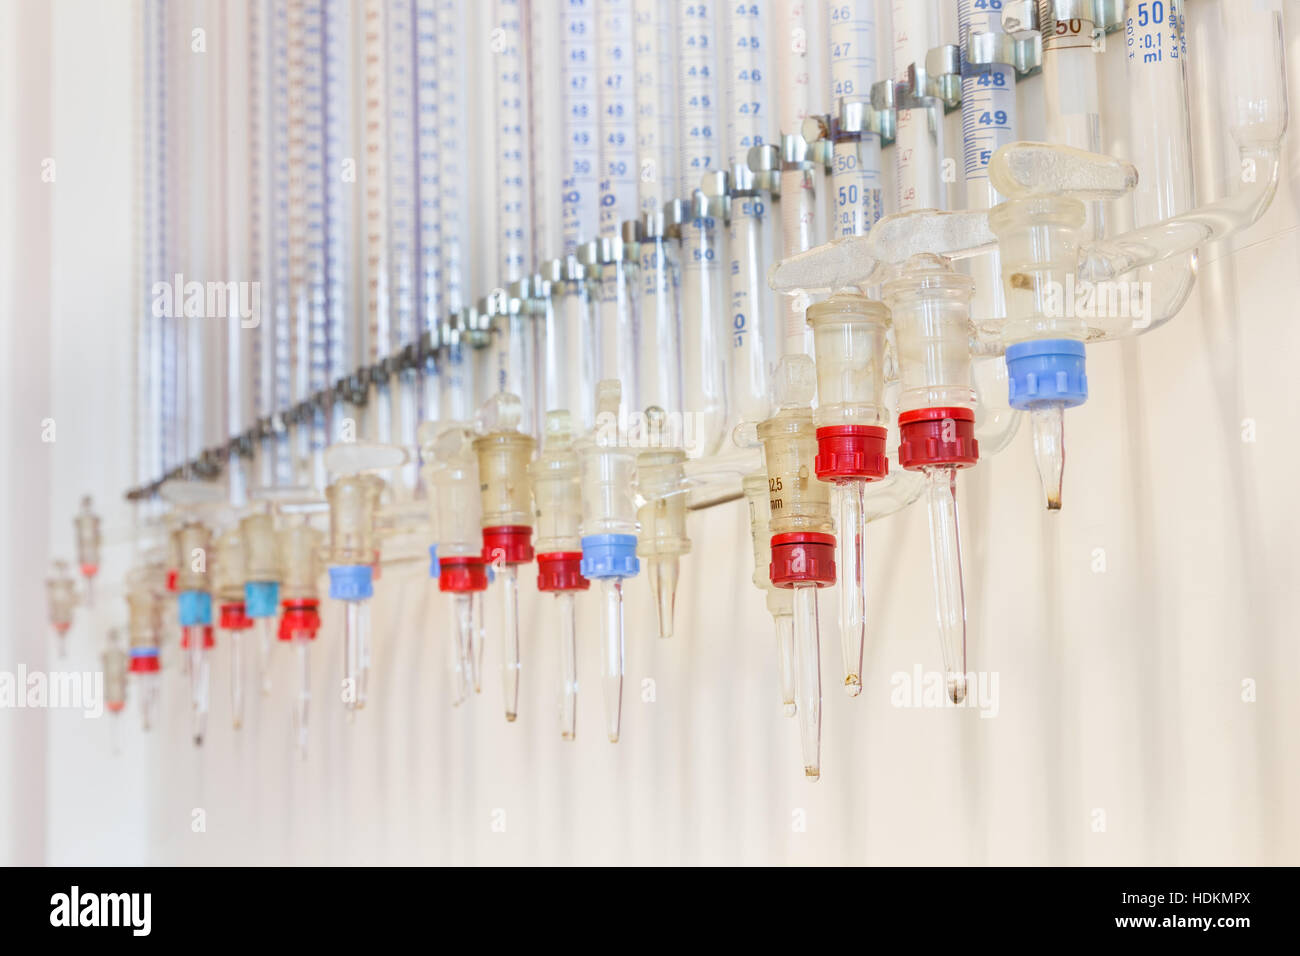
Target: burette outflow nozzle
[(930, 305), (802, 542), (353, 500), (1045, 377), (144, 602), (261, 587), (194, 611), (557, 494), (231, 568), (61, 598), (456, 506), (661, 484), (849, 340), (86, 524), (780, 603), (504, 453), (609, 537), (300, 551), (114, 662)]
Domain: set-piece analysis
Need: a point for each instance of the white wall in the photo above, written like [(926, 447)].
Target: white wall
[(1119, 691)]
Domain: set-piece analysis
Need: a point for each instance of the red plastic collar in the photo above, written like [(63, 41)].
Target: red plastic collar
[(145, 665), (508, 544), (851, 451), (208, 639), (801, 557), (233, 617), (172, 576), (89, 570), (937, 436), (561, 571), (462, 574), (300, 616)]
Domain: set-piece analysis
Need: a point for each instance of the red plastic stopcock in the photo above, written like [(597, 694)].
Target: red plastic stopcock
[(233, 617), (508, 544), (300, 616), (803, 557), (561, 571), (145, 665), (937, 436), (851, 451), (172, 577), (89, 570), (208, 639), (115, 706), (462, 574)]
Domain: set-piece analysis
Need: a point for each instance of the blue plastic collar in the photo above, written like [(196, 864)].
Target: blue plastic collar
[(609, 556), (194, 608), (351, 582), (1046, 370), (143, 652), (261, 598), (435, 569)]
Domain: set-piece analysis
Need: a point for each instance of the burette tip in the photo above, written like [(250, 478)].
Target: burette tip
[(852, 685), (511, 717), (198, 740), (565, 735), (789, 709), (957, 688), (812, 774), (613, 738)]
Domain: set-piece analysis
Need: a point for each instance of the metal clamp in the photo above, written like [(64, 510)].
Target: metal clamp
[(765, 165), (1104, 15)]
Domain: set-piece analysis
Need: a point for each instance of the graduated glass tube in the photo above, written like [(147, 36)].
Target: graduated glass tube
[(918, 138), (856, 184), (261, 586), (61, 598), (504, 453), (300, 545), (609, 529), (228, 587), (780, 601), (194, 607), (86, 524), (849, 342), (798, 180), (619, 285), (557, 493), (580, 208), (352, 556), (749, 322), (930, 305), (802, 542), (144, 629), (578, 318), (456, 507), (702, 249)]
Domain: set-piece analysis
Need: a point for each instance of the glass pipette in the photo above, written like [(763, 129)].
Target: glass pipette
[(662, 540), (802, 542), (503, 455), (609, 529), (557, 491)]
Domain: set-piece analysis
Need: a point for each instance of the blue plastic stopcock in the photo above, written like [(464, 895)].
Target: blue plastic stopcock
[(194, 608), (435, 569), (351, 582), (609, 556), (1046, 370), (261, 598)]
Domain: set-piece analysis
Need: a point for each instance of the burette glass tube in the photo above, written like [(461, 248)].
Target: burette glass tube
[(798, 181), (918, 140), (749, 237), (453, 177), (379, 307), (282, 317), (429, 238), (339, 225), (856, 182), (659, 382), (702, 244), (511, 118)]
